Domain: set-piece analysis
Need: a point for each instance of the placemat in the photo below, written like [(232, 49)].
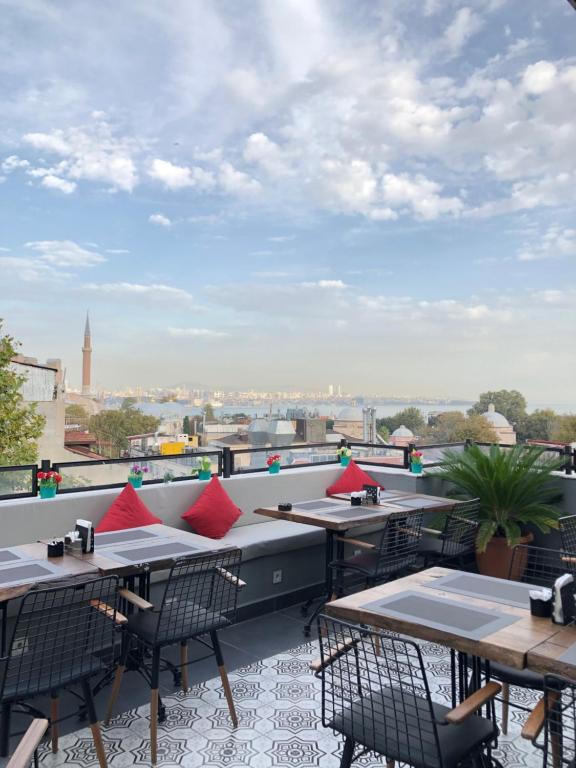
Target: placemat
[(498, 590), (569, 655), (442, 614), (120, 537), (25, 573), (315, 506), (152, 552), (419, 503), (10, 555)]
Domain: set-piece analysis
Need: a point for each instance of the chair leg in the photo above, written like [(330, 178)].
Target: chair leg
[(116, 685), (5, 730), (184, 664), (505, 708), (54, 728), (347, 753), (94, 725), (224, 678), (154, 705)]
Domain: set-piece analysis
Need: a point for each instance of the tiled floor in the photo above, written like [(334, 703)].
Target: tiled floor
[(277, 700)]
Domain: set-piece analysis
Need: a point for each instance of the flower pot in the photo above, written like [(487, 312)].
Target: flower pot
[(273, 469), (48, 491), (204, 474), (135, 482), (416, 469), (344, 461), (497, 558)]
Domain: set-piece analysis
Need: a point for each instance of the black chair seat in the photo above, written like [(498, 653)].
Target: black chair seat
[(34, 683), (373, 723), (435, 546), (144, 625), (373, 565), (523, 678)]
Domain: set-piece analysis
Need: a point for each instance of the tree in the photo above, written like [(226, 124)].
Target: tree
[(20, 425), (112, 428), (565, 429), (383, 432), (455, 427), (128, 403), (76, 412), (509, 402), (412, 418), (209, 413), (186, 425), (539, 425)]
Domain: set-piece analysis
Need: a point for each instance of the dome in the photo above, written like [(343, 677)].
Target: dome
[(402, 431), (351, 414), (494, 418)]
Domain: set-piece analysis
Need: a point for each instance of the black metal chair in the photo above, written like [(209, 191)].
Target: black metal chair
[(395, 553), (62, 636), (456, 541), (200, 598), (539, 566), (375, 693), (567, 527), (555, 714)]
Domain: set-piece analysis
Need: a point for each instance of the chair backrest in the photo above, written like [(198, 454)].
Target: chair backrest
[(60, 635), (375, 691), (459, 535), (399, 540), (541, 566), (567, 526), (559, 738), (201, 590), (469, 509)]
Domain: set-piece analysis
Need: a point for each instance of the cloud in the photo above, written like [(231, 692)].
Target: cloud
[(236, 182), (180, 177), (539, 78), (64, 253), (556, 243), (197, 333), (55, 182), (160, 220), (155, 292), (30, 270), (281, 238), (463, 26), (12, 163)]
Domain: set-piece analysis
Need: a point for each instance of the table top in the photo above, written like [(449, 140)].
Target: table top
[(557, 655), (481, 626), (335, 513), (32, 566)]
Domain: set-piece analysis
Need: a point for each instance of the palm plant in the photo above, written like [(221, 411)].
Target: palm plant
[(512, 485)]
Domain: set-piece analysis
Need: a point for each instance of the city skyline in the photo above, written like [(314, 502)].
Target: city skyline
[(379, 195)]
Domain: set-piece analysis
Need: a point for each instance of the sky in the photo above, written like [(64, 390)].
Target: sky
[(285, 194)]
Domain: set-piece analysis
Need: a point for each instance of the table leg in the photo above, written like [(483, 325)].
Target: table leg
[(4, 611), (328, 580)]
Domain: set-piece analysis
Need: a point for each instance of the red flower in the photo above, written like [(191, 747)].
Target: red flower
[(273, 459), (42, 475)]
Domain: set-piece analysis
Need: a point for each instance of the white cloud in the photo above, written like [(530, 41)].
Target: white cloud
[(180, 177), (55, 182), (48, 142), (281, 238), (236, 182), (197, 333), (421, 194), (539, 78), (155, 292), (12, 163), (264, 153), (64, 253), (160, 220), (555, 243), (463, 26), (30, 270)]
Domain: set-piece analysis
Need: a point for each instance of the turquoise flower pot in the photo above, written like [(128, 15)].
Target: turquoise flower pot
[(204, 474), (48, 491), (416, 469), (344, 461), (135, 482), (273, 469)]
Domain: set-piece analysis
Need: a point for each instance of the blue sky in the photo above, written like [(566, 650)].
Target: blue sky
[(289, 193)]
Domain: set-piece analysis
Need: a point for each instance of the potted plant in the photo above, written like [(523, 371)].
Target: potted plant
[(48, 485), (514, 491), (344, 454), (273, 463), (136, 475), (204, 468), (416, 462)]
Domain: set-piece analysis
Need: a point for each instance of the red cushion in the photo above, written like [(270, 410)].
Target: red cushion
[(352, 479), (213, 513), (126, 511)]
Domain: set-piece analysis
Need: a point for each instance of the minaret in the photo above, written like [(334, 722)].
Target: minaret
[(86, 356)]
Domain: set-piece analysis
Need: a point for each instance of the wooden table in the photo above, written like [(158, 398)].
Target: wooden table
[(546, 657), (318, 512), (508, 645)]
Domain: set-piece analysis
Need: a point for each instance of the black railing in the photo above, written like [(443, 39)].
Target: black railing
[(22, 481)]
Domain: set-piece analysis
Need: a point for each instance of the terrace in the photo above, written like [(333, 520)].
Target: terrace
[(277, 696)]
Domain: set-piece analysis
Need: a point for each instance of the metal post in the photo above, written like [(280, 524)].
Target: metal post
[(407, 451), (45, 465), (226, 462), (568, 457), (467, 443)]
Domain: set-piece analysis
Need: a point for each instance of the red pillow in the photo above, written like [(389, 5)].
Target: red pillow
[(127, 511), (213, 513), (352, 479)]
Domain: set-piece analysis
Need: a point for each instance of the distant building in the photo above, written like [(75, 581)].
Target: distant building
[(350, 422), (402, 436), (87, 359), (502, 428)]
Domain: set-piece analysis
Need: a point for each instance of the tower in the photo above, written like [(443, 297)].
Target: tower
[(86, 358)]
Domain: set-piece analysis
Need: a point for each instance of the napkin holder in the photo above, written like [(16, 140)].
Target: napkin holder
[(86, 531), (55, 548), (372, 494), (563, 600)]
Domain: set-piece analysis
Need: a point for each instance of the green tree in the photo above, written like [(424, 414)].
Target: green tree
[(565, 429), (412, 418), (112, 428), (455, 427), (128, 403), (209, 413), (509, 402), (20, 425), (186, 425), (539, 425), (383, 431), (75, 411)]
